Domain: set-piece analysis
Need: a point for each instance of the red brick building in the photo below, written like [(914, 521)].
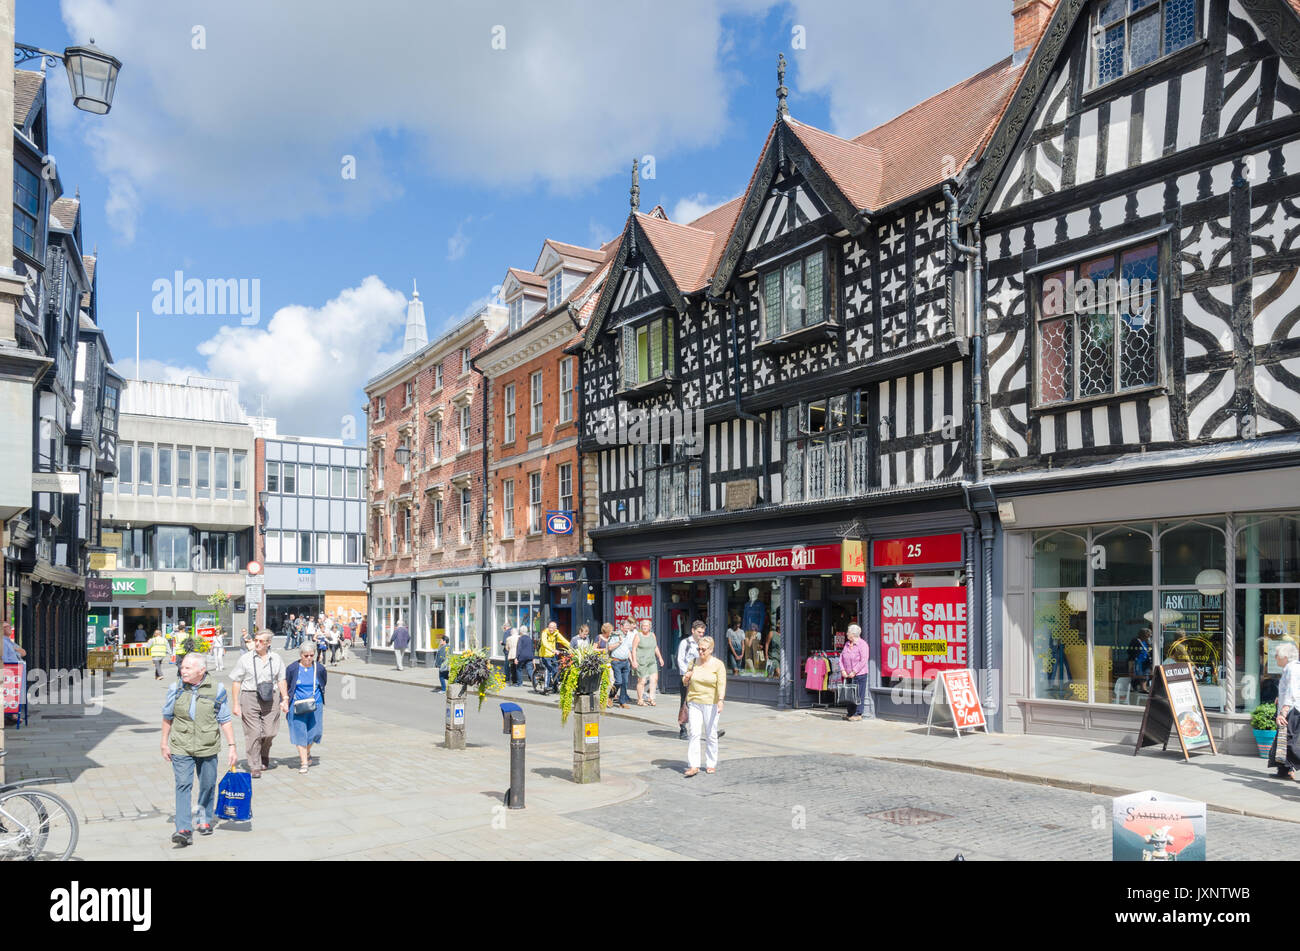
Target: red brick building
[(426, 500), (541, 563)]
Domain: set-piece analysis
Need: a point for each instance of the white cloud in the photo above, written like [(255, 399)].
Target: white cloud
[(458, 243), (309, 363), (257, 125), (694, 206)]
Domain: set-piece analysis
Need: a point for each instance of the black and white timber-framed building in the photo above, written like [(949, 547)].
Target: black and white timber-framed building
[(1143, 444)]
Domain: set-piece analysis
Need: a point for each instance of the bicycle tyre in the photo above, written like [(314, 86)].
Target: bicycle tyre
[(539, 679), (46, 805)]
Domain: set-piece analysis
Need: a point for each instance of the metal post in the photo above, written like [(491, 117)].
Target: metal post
[(512, 716), (586, 739), (454, 738)]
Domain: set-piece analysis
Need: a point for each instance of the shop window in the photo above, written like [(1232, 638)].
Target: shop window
[(1099, 326), (1121, 556), (518, 609), (754, 610), (827, 448), (1060, 560), (1267, 603), (673, 482)]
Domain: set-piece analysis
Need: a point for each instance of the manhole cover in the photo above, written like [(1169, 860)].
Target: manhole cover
[(908, 816)]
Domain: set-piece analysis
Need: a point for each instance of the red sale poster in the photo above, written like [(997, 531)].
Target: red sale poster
[(638, 607), (12, 686), (923, 631)]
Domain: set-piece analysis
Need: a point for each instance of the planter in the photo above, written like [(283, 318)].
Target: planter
[(1264, 741), (589, 684)]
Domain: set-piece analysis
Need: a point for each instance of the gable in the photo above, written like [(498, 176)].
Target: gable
[(636, 284), (1064, 132), (786, 209)]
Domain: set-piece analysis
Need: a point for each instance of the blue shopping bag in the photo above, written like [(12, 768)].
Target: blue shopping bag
[(235, 797)]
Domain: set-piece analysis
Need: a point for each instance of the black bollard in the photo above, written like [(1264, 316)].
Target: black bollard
[(512, 724)]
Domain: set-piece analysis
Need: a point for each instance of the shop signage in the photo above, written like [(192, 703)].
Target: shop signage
[(629, 570), (923, 631), (741, 494), (853, 566), (1153, 826), (99, 590), (306, 579), (955, 696), (811, 559), (60, 483), (102, 561), (130, 586), (110, 539), (209, 634), (1175, 703), (636, 608), (11, 687), (1279, 628), (562, 576), (590, 734), (918, 550), (559, 523)]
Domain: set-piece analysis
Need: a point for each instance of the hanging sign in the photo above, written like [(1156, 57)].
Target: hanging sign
[(1153, 826), (917, 550), (956, 698), (923, 631), (853, 566), (99, 590), (1175, 703), (101, 560), (559, 523)]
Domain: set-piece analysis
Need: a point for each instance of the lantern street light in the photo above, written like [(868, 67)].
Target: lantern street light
[(92, 73), (402, 454)]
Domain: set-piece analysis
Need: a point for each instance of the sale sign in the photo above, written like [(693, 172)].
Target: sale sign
[(963, 699), (11, 687), (635, 607), (923, 631)]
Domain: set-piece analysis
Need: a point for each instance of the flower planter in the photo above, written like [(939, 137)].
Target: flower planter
[(589, 684), (1264, 741)]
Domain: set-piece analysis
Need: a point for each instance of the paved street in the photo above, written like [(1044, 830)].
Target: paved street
[(798, 785)]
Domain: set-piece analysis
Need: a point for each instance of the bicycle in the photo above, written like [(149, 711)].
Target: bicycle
[(539, 672), (35, 825)]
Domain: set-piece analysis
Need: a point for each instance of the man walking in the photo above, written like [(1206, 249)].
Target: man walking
[(158, 651), (548, 652), (512, 658), (524, 655), (401, 641), (196, 710), (688, 652), (286, 629)]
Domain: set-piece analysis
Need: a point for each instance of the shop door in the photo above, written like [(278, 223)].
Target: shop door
[(686, 603), (814, 637)]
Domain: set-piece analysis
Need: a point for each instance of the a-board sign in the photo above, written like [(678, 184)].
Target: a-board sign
[(1153, 826), (957, 700), (12, 686), (1175, 704)]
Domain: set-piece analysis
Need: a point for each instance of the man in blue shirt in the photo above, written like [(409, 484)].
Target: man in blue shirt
[(196, 714)]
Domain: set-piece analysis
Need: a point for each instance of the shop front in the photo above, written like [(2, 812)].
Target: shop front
[(516, 602), (139, 607), (571, 593), (450, 605), (390, 606), (1093, 606)]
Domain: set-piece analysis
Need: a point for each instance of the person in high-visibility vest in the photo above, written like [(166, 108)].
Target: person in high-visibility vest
[(159, 648)]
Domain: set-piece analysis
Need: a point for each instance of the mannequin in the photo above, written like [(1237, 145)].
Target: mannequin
[(755, 613)]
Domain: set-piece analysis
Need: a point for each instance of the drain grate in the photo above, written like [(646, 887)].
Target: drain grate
[(908, 816)]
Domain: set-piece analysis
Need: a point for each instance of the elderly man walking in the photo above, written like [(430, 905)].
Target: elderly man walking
[(260, 698), (195, 716)]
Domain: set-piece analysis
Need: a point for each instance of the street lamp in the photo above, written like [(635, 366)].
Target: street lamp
[(92, 73), (402, 454)]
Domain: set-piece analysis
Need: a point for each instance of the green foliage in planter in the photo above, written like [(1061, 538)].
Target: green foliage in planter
[(472, 668), (218, 599), (579, 662), (1264, 717)]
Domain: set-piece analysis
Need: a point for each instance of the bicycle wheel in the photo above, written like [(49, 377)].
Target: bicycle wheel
[(36, 825), (539, 678)]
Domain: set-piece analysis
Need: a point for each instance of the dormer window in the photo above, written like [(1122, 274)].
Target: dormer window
[(795, 297), (649, 355), (516, 313), (555, 290), (1130, 34)]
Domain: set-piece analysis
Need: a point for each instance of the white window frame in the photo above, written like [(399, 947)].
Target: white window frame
[(465, 426), (508, 508), (536, 413), (508, 398), (564, 485), (566, 390), (555, 289), (516, 308), (534, 503)]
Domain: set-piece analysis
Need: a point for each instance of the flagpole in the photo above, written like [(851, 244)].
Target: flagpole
[(137, 346)]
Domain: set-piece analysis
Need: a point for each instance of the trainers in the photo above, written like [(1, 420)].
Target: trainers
[(183, 838), (204, 828)]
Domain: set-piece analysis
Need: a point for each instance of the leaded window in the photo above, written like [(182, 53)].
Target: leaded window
[(649, 352), (673, 482), (827, 448), (795, 295), (1130, 34), (1099, 326)]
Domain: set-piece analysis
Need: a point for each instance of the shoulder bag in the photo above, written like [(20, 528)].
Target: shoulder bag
[(265, 691), (307, 704)]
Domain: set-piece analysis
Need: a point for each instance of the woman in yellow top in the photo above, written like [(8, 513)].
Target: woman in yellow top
[(706, 689)]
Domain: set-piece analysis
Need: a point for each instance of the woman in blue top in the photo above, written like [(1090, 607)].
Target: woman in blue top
[(305, 681)]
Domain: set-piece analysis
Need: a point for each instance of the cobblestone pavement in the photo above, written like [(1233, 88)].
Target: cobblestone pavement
[(821, 807)]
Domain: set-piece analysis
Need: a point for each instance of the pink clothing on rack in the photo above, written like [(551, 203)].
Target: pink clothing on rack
[(817, 669)]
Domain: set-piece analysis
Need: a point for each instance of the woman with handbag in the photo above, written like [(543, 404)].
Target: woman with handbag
[(854, 667), (305, 680)]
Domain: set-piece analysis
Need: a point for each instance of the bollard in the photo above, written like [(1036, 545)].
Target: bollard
[(455, 732), (586, 739), (512, 724)]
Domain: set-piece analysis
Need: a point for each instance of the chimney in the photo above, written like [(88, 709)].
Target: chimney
[(1029, 18)]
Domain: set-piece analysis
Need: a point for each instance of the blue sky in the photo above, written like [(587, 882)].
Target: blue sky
[(224, 153)]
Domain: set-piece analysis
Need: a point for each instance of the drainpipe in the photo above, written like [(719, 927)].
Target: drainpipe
[(485, 623), (735, 382), (977, 308)]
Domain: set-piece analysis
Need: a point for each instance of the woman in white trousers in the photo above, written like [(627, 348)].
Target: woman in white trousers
[(706, 689)]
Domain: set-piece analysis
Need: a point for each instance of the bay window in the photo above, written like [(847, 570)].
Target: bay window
[(673, 482), (649, 353), (795, 295), (827, 448)]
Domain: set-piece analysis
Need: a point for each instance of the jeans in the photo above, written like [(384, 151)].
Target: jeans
[(858, 709), (552, 665), (702, 720), (442, 679), (183, 769), (622, 671)]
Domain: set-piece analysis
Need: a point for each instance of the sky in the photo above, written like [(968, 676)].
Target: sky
[(326, 155)]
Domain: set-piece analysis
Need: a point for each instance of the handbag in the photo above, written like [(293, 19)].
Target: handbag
[(266, 691), (307, 704), (235, 796)]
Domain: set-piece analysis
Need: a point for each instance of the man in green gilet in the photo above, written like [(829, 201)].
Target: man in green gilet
[(195, 716)]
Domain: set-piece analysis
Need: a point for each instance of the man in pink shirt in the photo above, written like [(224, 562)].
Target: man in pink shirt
[(853, 667)]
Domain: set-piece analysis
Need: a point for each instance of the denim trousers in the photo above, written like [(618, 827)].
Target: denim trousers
[(552, 665), (183, 769), (622, 670)]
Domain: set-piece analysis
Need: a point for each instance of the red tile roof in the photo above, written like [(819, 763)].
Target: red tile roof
[(853, 167), (527, 277), (576, 251)]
